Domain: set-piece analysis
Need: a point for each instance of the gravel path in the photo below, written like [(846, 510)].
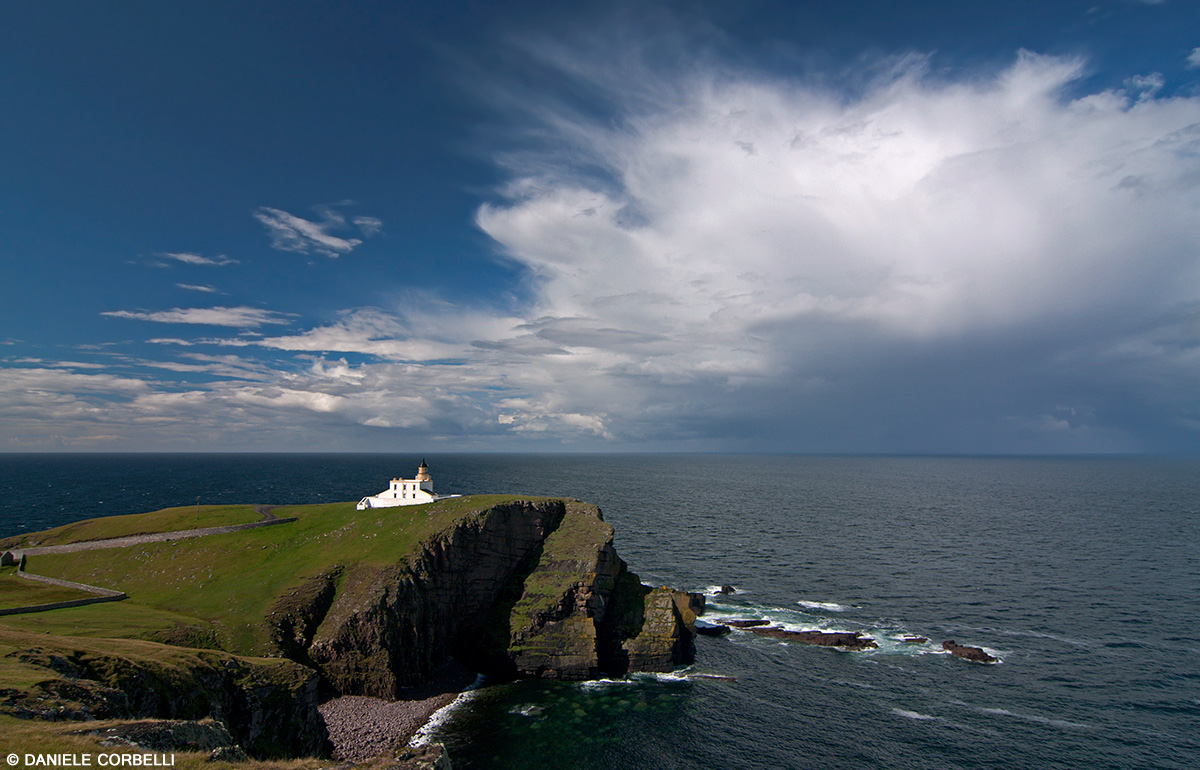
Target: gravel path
[(362, 728), (154, 537), (265, 512)]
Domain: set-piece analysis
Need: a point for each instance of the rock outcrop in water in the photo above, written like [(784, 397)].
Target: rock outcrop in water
[(581, 612), (975, 654), (840, 639)]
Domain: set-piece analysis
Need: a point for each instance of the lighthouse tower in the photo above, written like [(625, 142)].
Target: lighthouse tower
[(415, 491)]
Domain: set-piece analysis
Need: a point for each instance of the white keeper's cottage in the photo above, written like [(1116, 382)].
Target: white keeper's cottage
[(416, 491)]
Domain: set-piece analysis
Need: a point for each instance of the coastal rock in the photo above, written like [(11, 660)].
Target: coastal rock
[(915, 640), (712, 629), (746, 623), (849, 641), (430, 756), (553, 625), (726, 590), (650, 633), (526, 588), (269, 707), (392, 627), (967, 653), (582, 612), (227, 754), (168, 735)]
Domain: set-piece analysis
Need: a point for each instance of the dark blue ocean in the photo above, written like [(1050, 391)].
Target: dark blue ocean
[(1081, 575)]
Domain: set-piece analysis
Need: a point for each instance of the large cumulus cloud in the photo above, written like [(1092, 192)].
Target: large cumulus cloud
[(931, 263)]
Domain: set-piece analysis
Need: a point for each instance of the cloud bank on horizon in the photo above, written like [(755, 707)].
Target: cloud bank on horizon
[(733, 259)]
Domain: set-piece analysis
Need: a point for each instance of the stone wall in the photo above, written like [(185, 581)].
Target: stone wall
[(102, 594)]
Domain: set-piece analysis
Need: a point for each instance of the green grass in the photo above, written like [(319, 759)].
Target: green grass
[(117, 620), (37, 736), (16, 591), (166, 520), (197, 592), (228, 582), (566, 552)]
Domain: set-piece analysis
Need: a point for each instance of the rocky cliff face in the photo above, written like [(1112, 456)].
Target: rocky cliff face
[(270, 707), (529, 588), (582, 613), (521, 588), (391, 628)]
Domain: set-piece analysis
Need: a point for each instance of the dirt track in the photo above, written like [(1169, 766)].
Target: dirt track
[(154, 537)]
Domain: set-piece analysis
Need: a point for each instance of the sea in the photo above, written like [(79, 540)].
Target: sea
[(1081, 575)]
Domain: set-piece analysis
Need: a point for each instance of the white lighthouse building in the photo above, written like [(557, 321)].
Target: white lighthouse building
[(417, 491)]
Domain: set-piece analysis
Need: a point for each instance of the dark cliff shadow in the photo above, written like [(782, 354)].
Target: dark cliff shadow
[(487, 651), (622, 622), (451, 678)]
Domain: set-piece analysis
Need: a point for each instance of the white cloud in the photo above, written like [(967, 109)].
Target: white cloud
[(368, 225), (292, 233), (197, 287), (734, 260), (925, 211), (198, 259), (1193, 59), (230, 367), (241, 317), (57, 364), (1146, 86)]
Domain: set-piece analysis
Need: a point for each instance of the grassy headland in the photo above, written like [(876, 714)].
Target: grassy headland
[(166, 520), (199, 607), (218, 590)]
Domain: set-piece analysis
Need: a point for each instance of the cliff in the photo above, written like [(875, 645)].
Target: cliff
[(522, 588), (342, 601), (269, 706), (582, 613)]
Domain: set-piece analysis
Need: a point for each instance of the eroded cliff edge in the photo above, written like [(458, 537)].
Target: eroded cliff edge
[(505, 585), (522, 588)]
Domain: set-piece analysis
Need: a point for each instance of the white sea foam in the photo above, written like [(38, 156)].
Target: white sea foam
[(830, 606), (716, 591), (596, 684), (1036, 718), (634, 678), (671, 676), (913, 714), (1084, 643), (526, 711), (443, 715)]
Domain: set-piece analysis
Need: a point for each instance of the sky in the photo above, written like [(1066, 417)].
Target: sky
[(708, 226)]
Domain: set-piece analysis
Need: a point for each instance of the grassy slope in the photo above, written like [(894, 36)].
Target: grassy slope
[(565, 554), (242, 574), (231, 580), (166, 520), (38, 736)]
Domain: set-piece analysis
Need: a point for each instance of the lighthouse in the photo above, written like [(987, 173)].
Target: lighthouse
[(414, 491)]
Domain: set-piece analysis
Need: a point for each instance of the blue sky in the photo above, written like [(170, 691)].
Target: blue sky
[(935, 227)]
